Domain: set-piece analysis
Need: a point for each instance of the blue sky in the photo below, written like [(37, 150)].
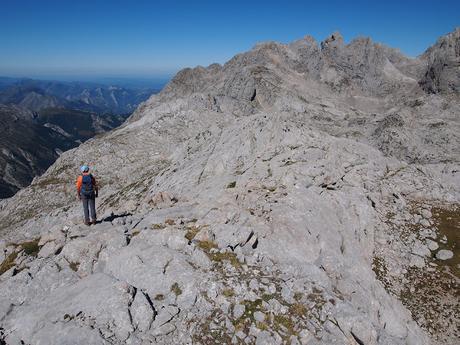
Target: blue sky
[(156, 38)]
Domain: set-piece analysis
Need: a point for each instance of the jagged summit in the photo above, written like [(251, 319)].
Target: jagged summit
[(295, 194), (335, 40), (360, 68)]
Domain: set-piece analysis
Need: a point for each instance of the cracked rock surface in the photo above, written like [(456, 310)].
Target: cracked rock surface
[(301, 193)]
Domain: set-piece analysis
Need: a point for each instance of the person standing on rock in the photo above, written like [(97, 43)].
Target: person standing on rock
[(87, 191)]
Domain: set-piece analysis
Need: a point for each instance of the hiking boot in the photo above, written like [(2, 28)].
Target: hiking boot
[(94, 222), (88, 223)]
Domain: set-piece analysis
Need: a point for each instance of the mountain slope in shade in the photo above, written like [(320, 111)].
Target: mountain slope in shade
[(300, 193), (30, 141), (27, 148), (60, 114)]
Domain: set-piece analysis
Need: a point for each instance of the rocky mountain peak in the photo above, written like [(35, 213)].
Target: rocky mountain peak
[(335, 40), (360, 68)]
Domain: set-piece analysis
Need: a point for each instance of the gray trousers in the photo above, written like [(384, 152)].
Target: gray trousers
[(89, 206)]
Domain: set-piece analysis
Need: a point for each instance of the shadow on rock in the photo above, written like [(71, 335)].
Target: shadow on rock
[(113, 216)]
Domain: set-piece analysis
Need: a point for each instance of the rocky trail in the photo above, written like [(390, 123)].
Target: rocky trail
[(299, 194)]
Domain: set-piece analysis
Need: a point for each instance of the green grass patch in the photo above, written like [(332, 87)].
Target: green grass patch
[(262, 326), (206, 246), (298, 296), (170, 222), (74, 266), (282, 321), (228, 293), (298, 310), (227, 256), (157, 226), (217, 256), (252, 307), (31, 247), (316, 297), (8, 263), (245, 320), (267, 297), (232, 184), (159, 297), (175, 288), (191, 232), (448, 223)]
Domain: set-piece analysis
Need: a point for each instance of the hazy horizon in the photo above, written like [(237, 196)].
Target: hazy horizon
[(153, 82), (143, 39)]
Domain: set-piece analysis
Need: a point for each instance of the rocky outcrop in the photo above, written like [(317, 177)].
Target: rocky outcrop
[(443, 60), (299, 193)]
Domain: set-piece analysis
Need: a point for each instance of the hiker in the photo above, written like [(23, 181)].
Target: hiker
[(87, 192)]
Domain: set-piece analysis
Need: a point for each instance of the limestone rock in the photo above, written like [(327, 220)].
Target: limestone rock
[(432, 245), (238, 311), (444, 254)]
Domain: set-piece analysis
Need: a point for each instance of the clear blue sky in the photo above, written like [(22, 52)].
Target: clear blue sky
[(151, 38)]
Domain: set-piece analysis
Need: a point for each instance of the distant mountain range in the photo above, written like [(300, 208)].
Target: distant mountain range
[(40, 119), (42, 94)]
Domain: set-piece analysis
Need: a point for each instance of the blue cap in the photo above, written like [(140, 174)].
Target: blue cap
[(84, 168)]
